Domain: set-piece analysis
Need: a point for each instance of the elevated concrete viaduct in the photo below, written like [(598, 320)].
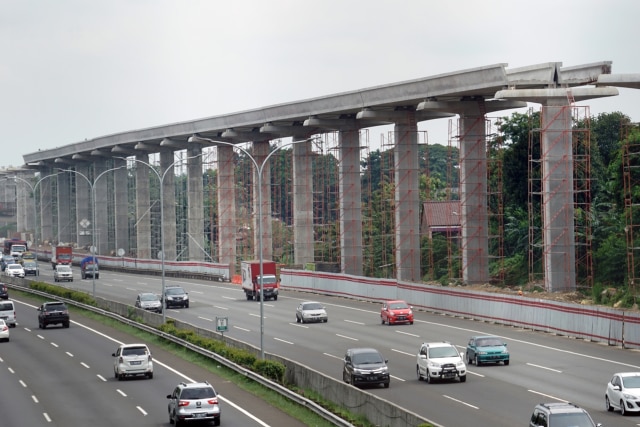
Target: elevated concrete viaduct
[(470, 93)]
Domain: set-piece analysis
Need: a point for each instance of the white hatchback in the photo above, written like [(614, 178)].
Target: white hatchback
[(14, 270), (4, 331), (132, 360)]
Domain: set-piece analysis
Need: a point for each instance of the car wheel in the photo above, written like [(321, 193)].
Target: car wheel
[(506, 363), (186, 305), (216, 422), (65, 325), (476, 360), (463, 378), (352, 380), (170, 418), (382, 320), (469, 360), (297, 319), (120, 376), (429, 379), (275, 298), (623, 411), (97, 276), (607, 404), (386, 385), (344, 377), (411, 323), (115, 374), (418, 373), (150, 375), (326, 320), (302, 320)]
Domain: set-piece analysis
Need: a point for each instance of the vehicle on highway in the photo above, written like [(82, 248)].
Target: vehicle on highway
[(63, 273), (30, 268), (8, 313), (440, 361), (53, 313), (560, 414), (486, 349), (311, 311), (4, 331), (365, 366), (4, 291), (623, 392), (14, 270), (193, 402), (6, 260), (398, 311), (132, 360), (89, 267), (149, 301), (175, 296)]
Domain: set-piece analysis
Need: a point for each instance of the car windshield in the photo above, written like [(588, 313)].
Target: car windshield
[(437, 352), (148, 297), (197, 393), (488, 342), (15, 267), (631, 382), (312, 306), (55, 307), (367, 358), (174, 291), (134, 351), (577, 419), (398, 306), (64, 268)]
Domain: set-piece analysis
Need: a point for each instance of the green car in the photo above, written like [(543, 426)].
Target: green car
[(487, 349)]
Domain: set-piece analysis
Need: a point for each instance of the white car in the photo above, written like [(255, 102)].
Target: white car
[(63, 273), (14, 270), (440, 361), (4, 331), (311, 311), (623, 392), (131, 360)]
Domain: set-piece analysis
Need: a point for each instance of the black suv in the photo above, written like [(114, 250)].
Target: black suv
[(365, 366), (52, 313), (175, 296), (559, 415)]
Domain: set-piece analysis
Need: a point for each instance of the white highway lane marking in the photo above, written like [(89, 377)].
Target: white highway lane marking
[(460, 401), (544, 367), (407, 333), (346, 337), (242, 329), (548, 396), (353, 321), (286, 342)]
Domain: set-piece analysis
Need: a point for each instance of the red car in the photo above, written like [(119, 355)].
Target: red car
[(396, 312)]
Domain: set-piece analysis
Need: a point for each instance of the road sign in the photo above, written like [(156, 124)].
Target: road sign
[(222, 324)]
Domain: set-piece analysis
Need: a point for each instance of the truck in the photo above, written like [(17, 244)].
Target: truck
[(61, 255), (251, 279), (89, 268), (15, 248)]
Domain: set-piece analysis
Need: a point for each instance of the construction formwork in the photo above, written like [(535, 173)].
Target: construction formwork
[(575, 169), (630, 135)]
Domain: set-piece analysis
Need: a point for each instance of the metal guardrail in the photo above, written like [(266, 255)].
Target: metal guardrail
[(283, 391)]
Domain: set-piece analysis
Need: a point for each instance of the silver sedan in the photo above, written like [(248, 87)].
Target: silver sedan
[(311, 311)]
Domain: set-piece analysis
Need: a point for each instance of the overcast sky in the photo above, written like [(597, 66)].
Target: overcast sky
[(75, 69)]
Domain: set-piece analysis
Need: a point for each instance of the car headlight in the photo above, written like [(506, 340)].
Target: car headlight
[(460, 364), (434, 365), (629, 396)]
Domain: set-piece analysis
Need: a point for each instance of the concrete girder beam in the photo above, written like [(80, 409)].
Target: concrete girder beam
[(333, 124), (557, 96), (461, 106), (631, 81)]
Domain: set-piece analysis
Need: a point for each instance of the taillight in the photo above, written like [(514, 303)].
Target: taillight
[(5, 327), (212, 401), (183, 403)]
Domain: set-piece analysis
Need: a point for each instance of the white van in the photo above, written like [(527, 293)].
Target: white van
[(8, 313)]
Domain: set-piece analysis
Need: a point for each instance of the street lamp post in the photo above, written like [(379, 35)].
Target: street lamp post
[(35, 215), (161, 180), (93, 215), (259, 169)]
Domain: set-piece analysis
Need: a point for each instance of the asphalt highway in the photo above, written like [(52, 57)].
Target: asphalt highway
[(544, 367)]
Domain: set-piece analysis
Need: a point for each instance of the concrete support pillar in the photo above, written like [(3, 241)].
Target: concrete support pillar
[(143, 209), (473, 194), (303, 203), (101, 189), (350, 203), (557, 190), (227, 229), (407, 199), (260, 152), (66, 218), (24, 204), (121, 206), (45, 232), (168, 189), (195, 197), (83, 219)]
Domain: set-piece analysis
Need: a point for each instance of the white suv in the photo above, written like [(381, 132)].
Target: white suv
[(440, 361), (193, 402), (132, 359)]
